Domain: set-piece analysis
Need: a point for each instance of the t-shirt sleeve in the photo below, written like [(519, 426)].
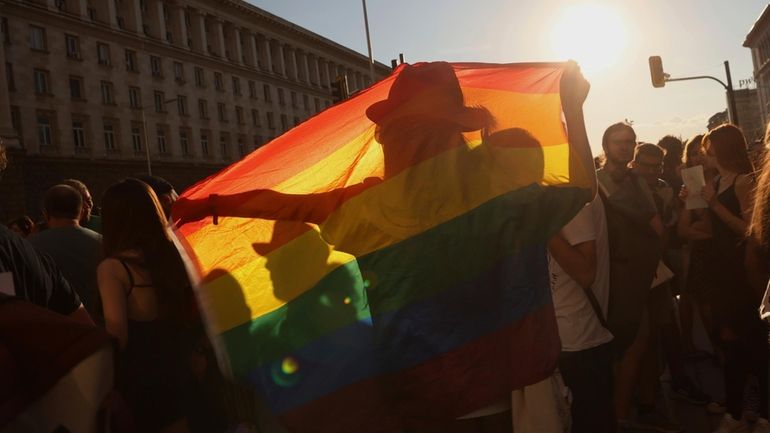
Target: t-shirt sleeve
[(64, 299), (581, 228), (36, 277)]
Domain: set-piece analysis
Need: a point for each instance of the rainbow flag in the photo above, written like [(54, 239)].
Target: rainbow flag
[(383, 264)]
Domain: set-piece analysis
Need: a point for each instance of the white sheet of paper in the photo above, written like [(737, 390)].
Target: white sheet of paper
[(764, 309), (662, 274), (6, 284), (694, 181)]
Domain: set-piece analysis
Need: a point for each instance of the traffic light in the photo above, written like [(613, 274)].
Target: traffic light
[(340, 88), (656, 72)]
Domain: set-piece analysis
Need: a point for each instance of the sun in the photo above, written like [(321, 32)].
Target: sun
[(591, 34)]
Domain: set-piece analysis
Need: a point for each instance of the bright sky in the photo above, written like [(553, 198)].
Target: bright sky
[(612, 42)]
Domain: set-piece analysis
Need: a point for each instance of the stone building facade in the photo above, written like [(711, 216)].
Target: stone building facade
[(758, 40), (107, 87)]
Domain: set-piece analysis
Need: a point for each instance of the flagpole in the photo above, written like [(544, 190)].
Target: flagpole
[(369, 45)]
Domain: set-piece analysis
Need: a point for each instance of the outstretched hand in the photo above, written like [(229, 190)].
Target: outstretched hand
[(574, 87), (187, 210)]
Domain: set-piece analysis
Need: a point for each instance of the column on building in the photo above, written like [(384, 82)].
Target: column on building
[(293, 53), (130, 16), (218, 37), (315, 75), (232, 46), (323, 66), (198, 32), (266, 56), (279, 66), (152, 18), (305, 68), (105, 12), (239, 43), (7, 133), (250, 48), (178, 25), (78, 7)]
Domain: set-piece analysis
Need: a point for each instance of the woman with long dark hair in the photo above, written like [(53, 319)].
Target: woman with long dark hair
[(148, 306), (734, 304)]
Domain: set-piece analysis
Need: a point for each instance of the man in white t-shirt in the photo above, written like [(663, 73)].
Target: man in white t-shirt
[(579, 260)]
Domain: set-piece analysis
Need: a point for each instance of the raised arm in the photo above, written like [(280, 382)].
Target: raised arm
[(266, 204), (574, 90)]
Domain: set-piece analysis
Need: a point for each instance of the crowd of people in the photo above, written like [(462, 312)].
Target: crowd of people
[(630, 275), (632, 271)]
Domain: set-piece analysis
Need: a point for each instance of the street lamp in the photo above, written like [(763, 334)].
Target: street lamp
[(146, 138)]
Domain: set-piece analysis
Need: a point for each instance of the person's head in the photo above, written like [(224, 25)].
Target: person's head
[(88, 201), (618, 143), (22, 225), (163, 189), (133, 220), (694, 153), (62, 204), (725, 148), (648, 162), (673, 147), (425, 108)]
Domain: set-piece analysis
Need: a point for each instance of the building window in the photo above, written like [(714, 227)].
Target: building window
[(317, 105), (257, 141), (203, 109), (181, 102), (92, 14), (78, 134), (37, 39), (218, 81), (241, 147), (159, 105), (255, 117), (72, 44), (9, 76), (45, 129), (224, 145), (266, 91), (281, 99), (103, 53), (161, 138), (16, 122), (284, 123), (236, 86), (6, 31), (252, 90), (108, 94), (294, 99), (327, 103), (131, 63), (296, 120), (136, 138), (204, 143), (76, 87), (200, 79), (222, 111), (306, 102), (109, 136), (184, 142), (239, 115), (134, 97), (270, 120), (41, 82), (155, 66), (178, 72)]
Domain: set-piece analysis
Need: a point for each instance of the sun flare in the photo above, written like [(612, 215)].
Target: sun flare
[(591, 34)]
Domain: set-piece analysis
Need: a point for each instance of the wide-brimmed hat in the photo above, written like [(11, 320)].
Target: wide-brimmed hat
[(430, 90)]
